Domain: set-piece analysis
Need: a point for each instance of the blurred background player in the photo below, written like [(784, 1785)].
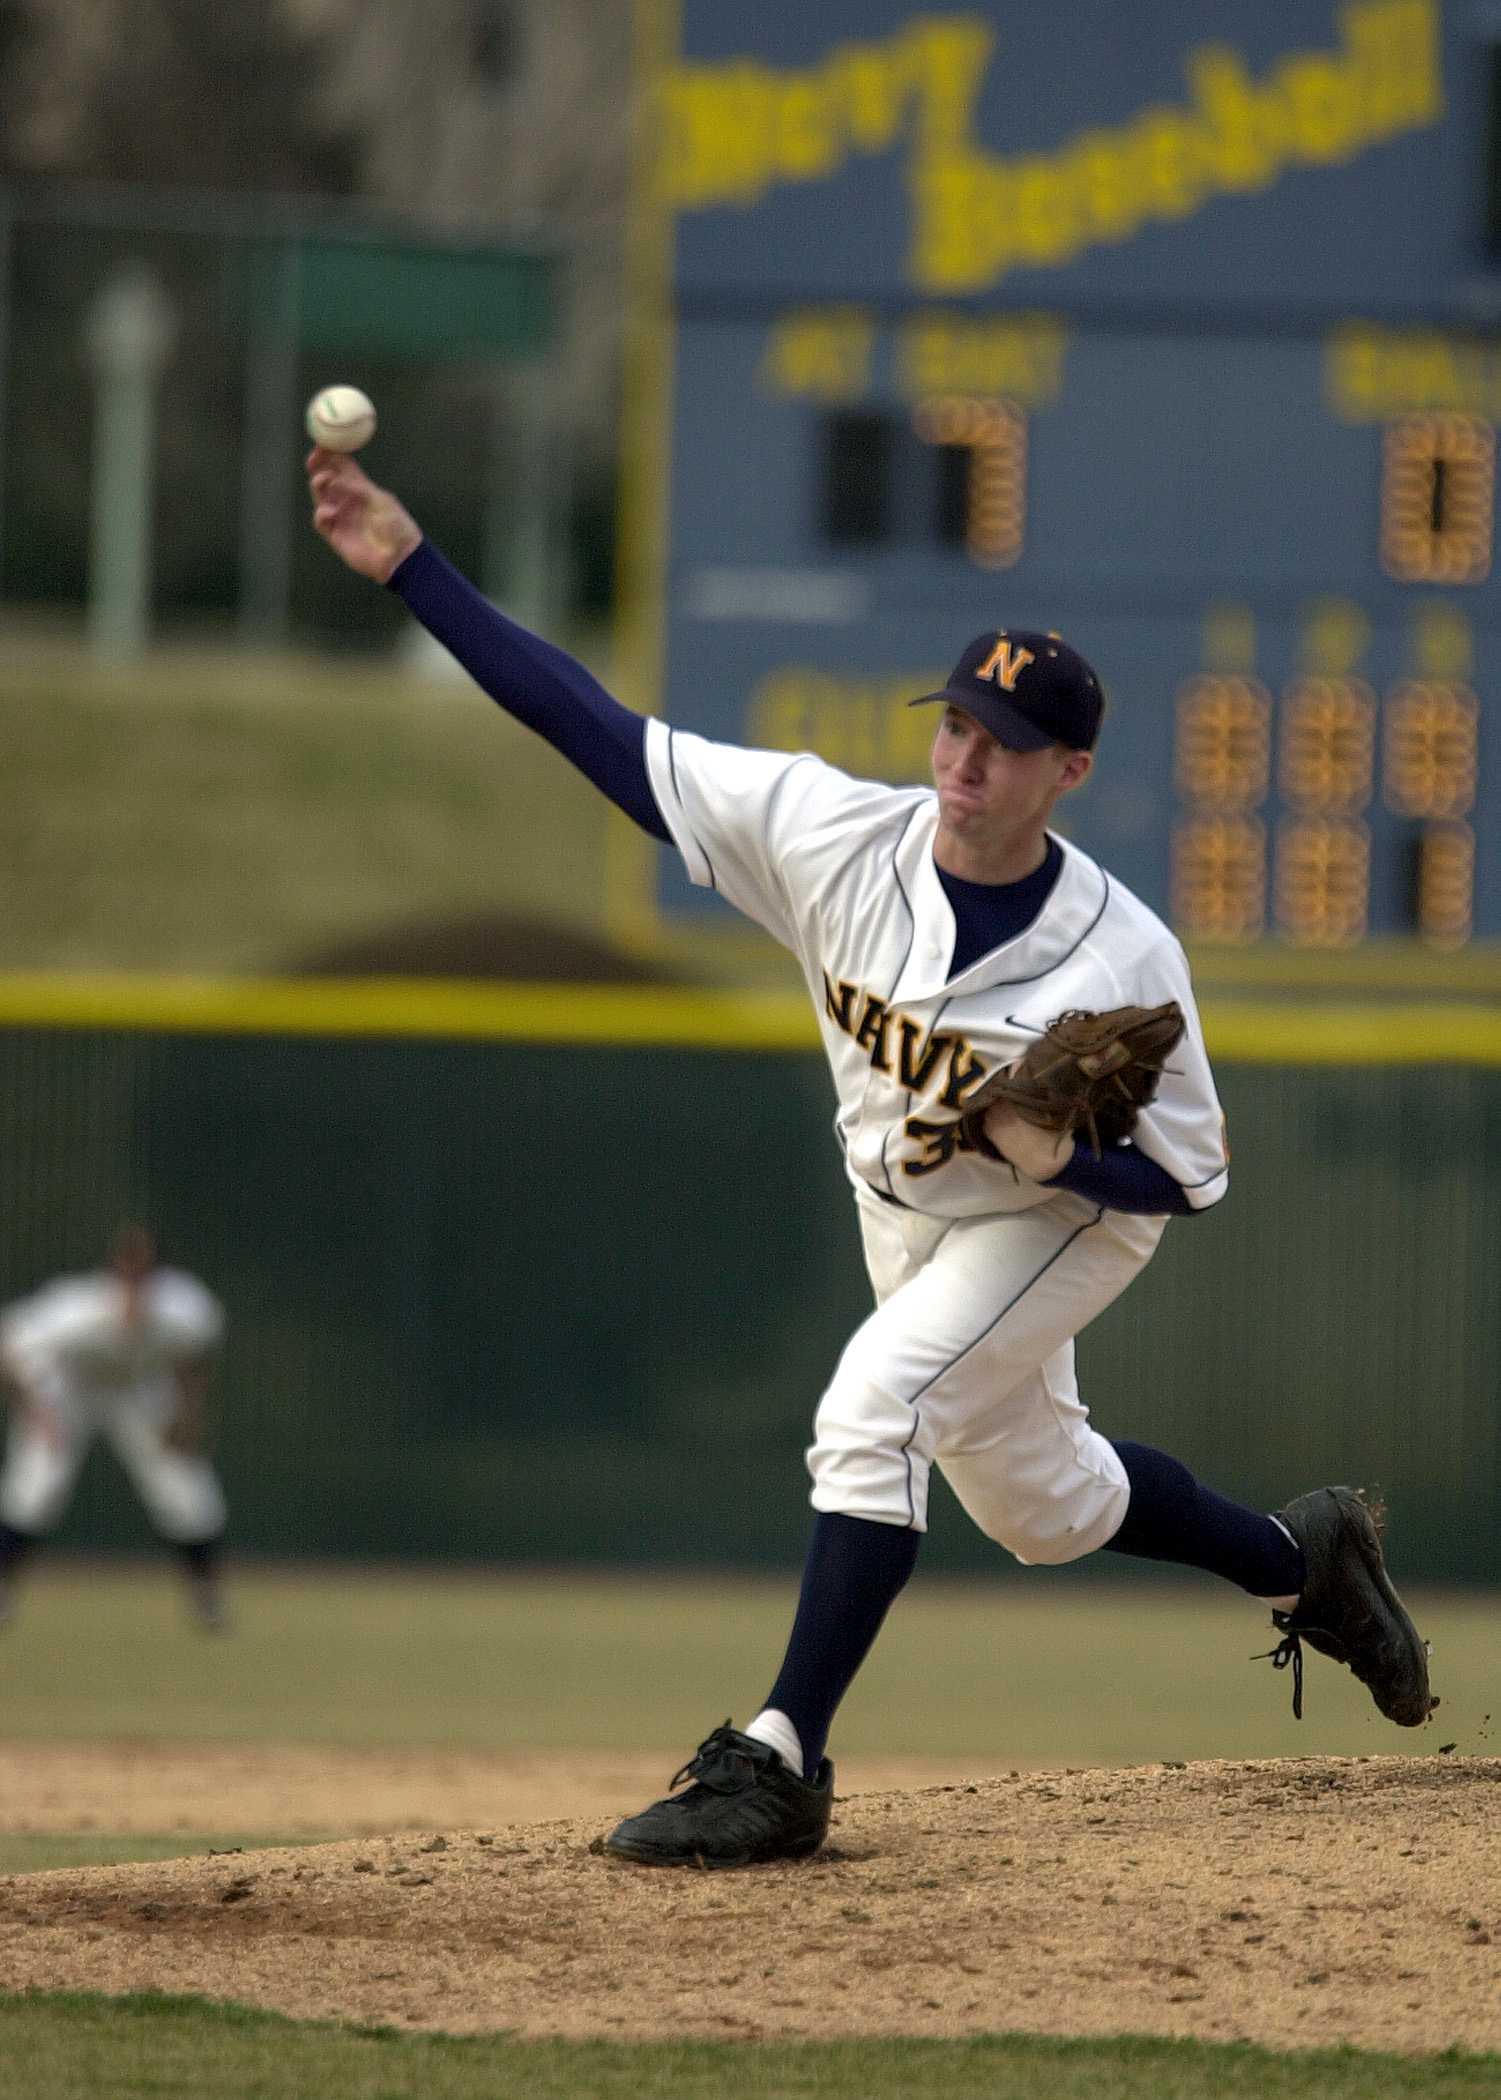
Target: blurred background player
[(124, 1352)]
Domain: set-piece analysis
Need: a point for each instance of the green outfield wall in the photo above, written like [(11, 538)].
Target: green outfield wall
[(545, 1292)]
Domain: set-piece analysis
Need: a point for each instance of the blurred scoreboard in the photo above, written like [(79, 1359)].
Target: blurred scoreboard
[(1174, 328)]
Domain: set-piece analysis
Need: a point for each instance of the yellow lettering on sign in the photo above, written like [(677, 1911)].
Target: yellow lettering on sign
[(819, 350), (733, 129), (824, 353), (1443, 641), (1019, 356), (863, 725), (1373, 373)]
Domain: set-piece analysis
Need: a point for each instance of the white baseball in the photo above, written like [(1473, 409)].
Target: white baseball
[(342, 418)]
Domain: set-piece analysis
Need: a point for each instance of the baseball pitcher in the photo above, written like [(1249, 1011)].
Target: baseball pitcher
[(1024, 1102)]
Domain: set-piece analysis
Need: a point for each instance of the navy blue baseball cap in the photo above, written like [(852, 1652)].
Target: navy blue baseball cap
[(1029, 690)]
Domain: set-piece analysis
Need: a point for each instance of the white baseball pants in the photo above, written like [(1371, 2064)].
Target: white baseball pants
[(50, 1439), (967, 1363)]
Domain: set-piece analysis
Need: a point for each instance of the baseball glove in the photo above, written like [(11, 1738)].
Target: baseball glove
[(186, 1432), (186, 1429), (1088, 1072)]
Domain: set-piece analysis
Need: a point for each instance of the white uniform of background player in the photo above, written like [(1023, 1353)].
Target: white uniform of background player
[(122, 1353), (982, 1276)]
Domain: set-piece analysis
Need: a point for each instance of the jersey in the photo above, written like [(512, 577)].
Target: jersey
[(75, 1330), (841, 872)]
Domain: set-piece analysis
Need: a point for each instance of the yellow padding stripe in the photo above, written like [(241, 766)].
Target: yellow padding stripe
[(413, 1006), (1250, 1031), (1351, 1032)]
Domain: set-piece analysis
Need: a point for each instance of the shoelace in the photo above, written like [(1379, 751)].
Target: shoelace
[(721, 1765), (1288, 1650)]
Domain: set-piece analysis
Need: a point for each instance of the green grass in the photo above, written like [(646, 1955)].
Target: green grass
[(36, 1851), (1026, 1669), (206, 810), (75, 2047)]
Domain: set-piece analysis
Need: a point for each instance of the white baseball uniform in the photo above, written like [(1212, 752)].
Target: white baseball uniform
[(982, 1276), (85, 1368)]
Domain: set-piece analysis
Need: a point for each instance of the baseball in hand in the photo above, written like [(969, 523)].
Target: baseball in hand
[(342, 418)]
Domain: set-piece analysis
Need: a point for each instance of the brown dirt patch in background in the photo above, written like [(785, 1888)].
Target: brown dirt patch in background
[(1303, 1901), (319, 1790)]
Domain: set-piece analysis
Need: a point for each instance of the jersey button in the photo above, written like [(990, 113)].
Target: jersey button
[(932, 951)]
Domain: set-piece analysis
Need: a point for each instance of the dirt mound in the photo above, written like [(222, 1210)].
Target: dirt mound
[(484, 945), (290, 1790), (1292, 1902)]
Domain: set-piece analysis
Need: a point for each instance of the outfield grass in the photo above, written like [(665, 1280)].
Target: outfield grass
[(78, 2047), (1027, 1670), (210, 810)]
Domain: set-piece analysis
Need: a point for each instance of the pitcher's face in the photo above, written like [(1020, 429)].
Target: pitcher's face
[(988, 793)]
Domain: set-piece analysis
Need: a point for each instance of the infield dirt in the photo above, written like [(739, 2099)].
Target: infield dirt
[(141, 1786), (1291, 1902)]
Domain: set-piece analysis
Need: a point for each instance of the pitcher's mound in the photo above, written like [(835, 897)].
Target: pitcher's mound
[(1295, 1902)]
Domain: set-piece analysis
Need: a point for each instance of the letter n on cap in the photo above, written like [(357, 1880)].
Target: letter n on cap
[(1003, 664)]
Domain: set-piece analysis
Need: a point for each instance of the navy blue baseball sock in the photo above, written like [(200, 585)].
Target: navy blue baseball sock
[(852, 1575), (15, 1547), (199, 1557), (1172, 1517)]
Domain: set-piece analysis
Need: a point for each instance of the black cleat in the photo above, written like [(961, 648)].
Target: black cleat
[(744, 1807), (1349, 1610), (206, 1603)]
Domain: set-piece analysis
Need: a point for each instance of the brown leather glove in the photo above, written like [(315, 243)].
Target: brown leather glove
[(1087, 1072)]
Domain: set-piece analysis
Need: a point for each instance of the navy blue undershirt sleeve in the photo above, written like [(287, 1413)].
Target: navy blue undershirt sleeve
[(541, 686), (1122, 1179)]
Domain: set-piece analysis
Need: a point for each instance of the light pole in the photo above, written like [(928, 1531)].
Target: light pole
[(128, 335)]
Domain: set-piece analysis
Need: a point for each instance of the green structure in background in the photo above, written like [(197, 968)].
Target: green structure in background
[(547, 1301), (298, 279), (360, 289)]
